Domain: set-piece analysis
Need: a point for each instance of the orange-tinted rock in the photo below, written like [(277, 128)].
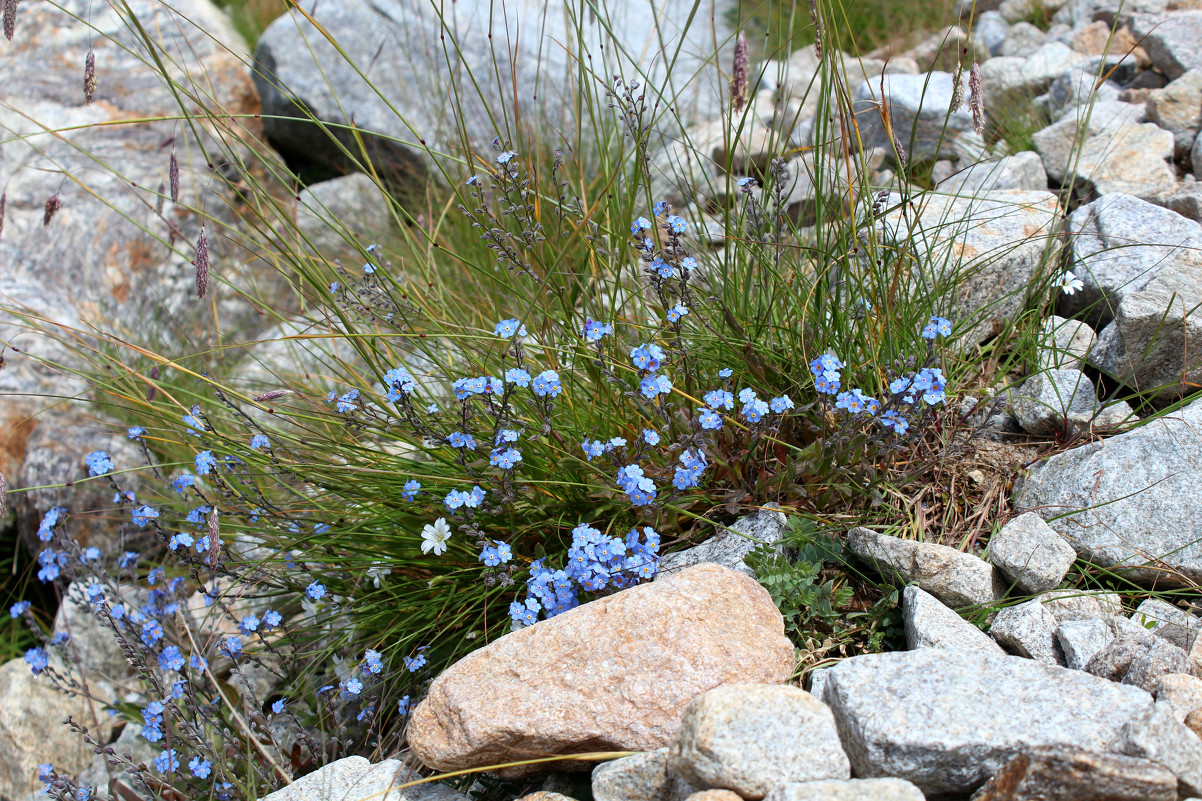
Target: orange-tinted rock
[(611, 675)]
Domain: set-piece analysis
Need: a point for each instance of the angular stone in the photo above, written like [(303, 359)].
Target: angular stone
[(986, 245), (1119, 245), (1070, 604), (1053, 401), (1180, 691), (1029, 630), (930, 624), (1116, 156), (641, 777), (957, 579), (767, 526), (714, 795), (1115, 658), (1139, 494), (1064, 343), (1030, 553), (327, 782), (1186, 197), (1024, 40), (333, 216), (991, 30), (1081, 640), (1017, 80), (1156, 734), (1075, 89), (1020, 171), (849, 790), (1069, 774), (818, 678), (1193, 721), (1171, 40), (376, 782), (1171, 622), (1160, 658), (752, 738), (612, 674), (1148, 346), (948, 720), (94, 647), (1178, 108), (918, 107), (32, 730), (944, 50), (546, 795)]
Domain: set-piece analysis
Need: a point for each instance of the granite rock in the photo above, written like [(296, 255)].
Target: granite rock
[(1156, 734), (957, 579), (1081, 640), (848, 790), (931, 624), (1069, 774), (1064, 343)]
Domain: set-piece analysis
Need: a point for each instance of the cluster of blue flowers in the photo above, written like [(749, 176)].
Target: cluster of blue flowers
[(596, 562)]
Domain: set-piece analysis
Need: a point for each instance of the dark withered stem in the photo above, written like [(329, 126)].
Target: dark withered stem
[(174, 177), (202, 263), (3, 205), (10, 19), (738, 81), (976, 98), (3, 495), (89, 77), (154, 376), (53, 204)]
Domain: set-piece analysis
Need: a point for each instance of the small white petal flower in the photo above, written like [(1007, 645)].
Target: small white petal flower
[(1070, 283), (434, 537), (376, 572)]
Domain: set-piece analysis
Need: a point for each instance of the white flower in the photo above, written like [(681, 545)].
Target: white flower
[(377, 571), (434, 537), (1070, 283)]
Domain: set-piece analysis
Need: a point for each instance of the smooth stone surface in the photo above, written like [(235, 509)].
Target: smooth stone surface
[(1055, 400), (333, 216), (1178, 108), (1139, 496), (1068, 774), (1081, 640), (1064, 343), (767, 526), (948, 720), (612, 674), (957, 579), (987, 245), (1171, 40), (1031, 554), (1020, 171), (1156, 734), (752, 738), (931, 624), (918, 107), (1015, 80), (849, 790)]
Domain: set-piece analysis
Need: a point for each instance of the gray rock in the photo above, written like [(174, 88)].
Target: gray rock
[(1113, 416), (987, 245), (930, 624), (1119, 245), (1028, 630), (1071, 604), (1054, 401), (991, 30), (1146, 346), (1110, 11), (1013, 11), (945, 49), (1178, 108), (334, 216), (1069, 774), (1031, 554), (1024, 40), (642, 777), (1156, 734), (401, 49), (1015, 80), (1186, 197), (1181, 691), (752, 738), (1115, 658), (948, 720), (328, 782), (1171, 40), (767, 526), (1139, 497), (919, 111), (1077, 88), (353, 778), (1195, 153), (849, 790), (1064, 343), (1171, 622), (1114, 155), (1081, 640), (818, 677), (957, 579), (92, 646), (1020, 171), (1160, 658)]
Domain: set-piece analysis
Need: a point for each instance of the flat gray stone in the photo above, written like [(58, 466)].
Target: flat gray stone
[(1081, 640), (333, 215), (1156, 734), (1055, 400), (767, 526), (378, 781), (1077, 87), (1031, 554), (1171, 40), (918, 106), (957, 579), (753, 738), (818, 677), (1139, 496), (1186, 197), (931, 624), (327, 782), (1028, 630), (991, 30), (1178, 108), (1020, 171), (1166, 620), (947, 720), (1023, 41), (642, 777), (1069, 774), (1014, 79), (1160, 658), (1064, 343), (848, 790)]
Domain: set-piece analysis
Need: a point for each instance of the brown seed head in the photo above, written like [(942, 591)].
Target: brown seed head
[(958, 89), (3, 496), (272, 395), (10, 19), (738, 81), (976, 98), (53, 204), (214, 540), (173, 172), (202, 263), (89, 77)]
